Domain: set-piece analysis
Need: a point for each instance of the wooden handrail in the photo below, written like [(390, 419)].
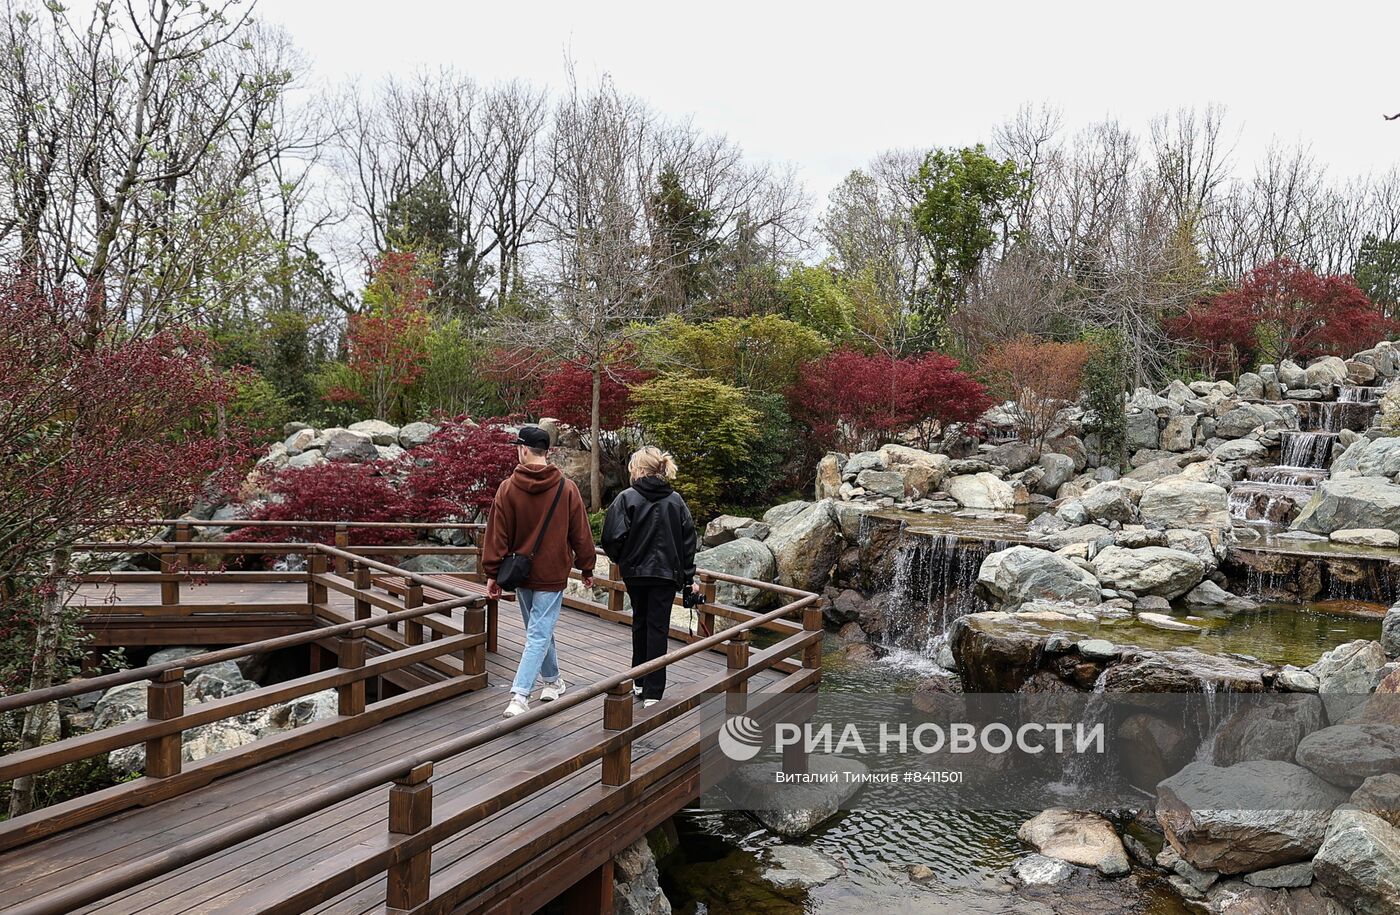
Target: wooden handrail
[(122, 677), (240, 522), (94, 888)]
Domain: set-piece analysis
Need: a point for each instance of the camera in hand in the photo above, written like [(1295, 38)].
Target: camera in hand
[(690, 599)]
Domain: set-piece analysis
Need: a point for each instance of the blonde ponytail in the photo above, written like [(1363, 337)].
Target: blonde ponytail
[(651, 461)]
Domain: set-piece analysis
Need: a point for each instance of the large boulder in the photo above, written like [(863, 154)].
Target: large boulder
[(829, 478), (1359, 862), (1156, 570), (1078, 837), (806, 546), (1245, 817), (414, 435), (1186, 504), (637, 882), (1058, 469), (1326, 370), (1348, 754), (1024, 573), (1143, 430), (381, 432), (1014, 456), (1267, 730), (981, 490), (1110, 502), (743, 559), (923, 471), (996, 652), (882, 482), (724, 528), (1351, 502), (784, 512), (1185, 670), (1292, 374), (347, 445), (1245, 418), (1370, 457), (1179, 434), (1345, 675)]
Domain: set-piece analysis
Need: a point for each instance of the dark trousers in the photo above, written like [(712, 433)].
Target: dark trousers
[(651, 620)]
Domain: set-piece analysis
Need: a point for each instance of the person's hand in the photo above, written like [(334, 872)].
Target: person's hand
[(588, 579), (695, 587), (493, 589)]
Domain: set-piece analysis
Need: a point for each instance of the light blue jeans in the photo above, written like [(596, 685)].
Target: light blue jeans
[(540, 611)]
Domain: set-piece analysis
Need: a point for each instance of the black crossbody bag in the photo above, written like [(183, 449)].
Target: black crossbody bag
[(515, 567)]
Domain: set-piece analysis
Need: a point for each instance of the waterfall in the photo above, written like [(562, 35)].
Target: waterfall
[(1358, 394), (1307, 449), (934, 583)]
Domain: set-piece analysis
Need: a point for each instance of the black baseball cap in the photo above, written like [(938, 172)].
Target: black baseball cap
[(532, 437)]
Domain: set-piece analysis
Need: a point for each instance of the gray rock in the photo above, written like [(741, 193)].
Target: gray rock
[(829, 475), (784, 512), (1326, 370), (756, 531), (309, 458), (744, 559), (1379, 795), (790, 810), (1292, 374), (415, 435), (381, 432), (796, 865), (1150, 570), (1245, 451), (884, 482), (1038, 870), (1268, 730), (299, 441), (1247, 417), (1250, 387), (1014, 456), (1179, 433), (1078, 837), (723, 528), (1371, 457), (1186, 504), (1348, 754), (1297, 680), (981, 491), (434, 565), (1246, 817), (864, 460), (806, 546), (1285, 876), (1142, 430), (1110, 502), (345, 445), (1210, 595), (1345, 675), (637, 882), (1390, 632), (1058, 470), (1365, 536), (1097, 650), (1022, 573), (1359, 862)]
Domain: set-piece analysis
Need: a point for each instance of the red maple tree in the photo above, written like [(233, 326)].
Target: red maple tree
[(333, 491), (387, 344), (567, 394), (1281, 311), (455, 473), (853, 401)]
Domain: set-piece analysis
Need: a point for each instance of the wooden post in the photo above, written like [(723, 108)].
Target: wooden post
[(350, 651), (364, 581), (411, 812), (617, 716), (615, 594), (737, 652), (165, 700), (342, 542), (169, 583), (592, 895), (812, 622), (705, 624), (413, 629), (182, 532), (315, 591), (474, 656)]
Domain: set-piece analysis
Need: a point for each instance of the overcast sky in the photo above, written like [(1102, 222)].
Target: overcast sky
[(825, 87)]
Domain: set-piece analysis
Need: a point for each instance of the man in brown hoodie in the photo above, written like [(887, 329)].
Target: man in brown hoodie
[(518, 516)]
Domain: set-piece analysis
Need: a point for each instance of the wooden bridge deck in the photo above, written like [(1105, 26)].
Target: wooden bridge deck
[(513, 860)]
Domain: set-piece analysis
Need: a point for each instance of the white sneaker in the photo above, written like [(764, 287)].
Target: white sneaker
[(518, 705), (553, 690), (650, 702), (637, 692)]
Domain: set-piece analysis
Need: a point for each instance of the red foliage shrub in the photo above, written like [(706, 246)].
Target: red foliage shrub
[(853, 401), (387, 345), (1281, 311), (97, 424), (335, 491), (456, 472), (567, 395)]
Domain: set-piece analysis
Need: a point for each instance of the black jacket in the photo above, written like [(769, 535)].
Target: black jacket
[(649, 532)]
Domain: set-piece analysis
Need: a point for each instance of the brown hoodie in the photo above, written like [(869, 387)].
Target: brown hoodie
[(522, 501)]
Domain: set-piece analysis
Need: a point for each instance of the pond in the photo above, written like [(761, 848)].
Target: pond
[(723, 856)]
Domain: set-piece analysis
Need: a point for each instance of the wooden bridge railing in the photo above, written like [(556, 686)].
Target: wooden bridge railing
[(168, 717), (416, 824)]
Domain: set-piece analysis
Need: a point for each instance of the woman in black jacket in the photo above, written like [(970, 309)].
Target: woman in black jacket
[(650, 533)]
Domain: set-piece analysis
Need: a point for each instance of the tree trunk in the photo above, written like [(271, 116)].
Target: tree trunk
[(40, 719), (595, 476)]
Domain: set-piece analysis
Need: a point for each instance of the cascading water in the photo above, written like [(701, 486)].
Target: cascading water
[(1307, 449), (934, 583)]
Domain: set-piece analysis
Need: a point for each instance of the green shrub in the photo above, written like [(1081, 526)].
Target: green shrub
[(707, 425), (1105, 379), (763, 353)]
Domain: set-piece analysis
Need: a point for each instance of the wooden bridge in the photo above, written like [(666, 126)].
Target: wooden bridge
[(417, 796)]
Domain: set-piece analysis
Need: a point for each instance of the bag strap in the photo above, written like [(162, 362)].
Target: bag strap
[(548, 515)]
